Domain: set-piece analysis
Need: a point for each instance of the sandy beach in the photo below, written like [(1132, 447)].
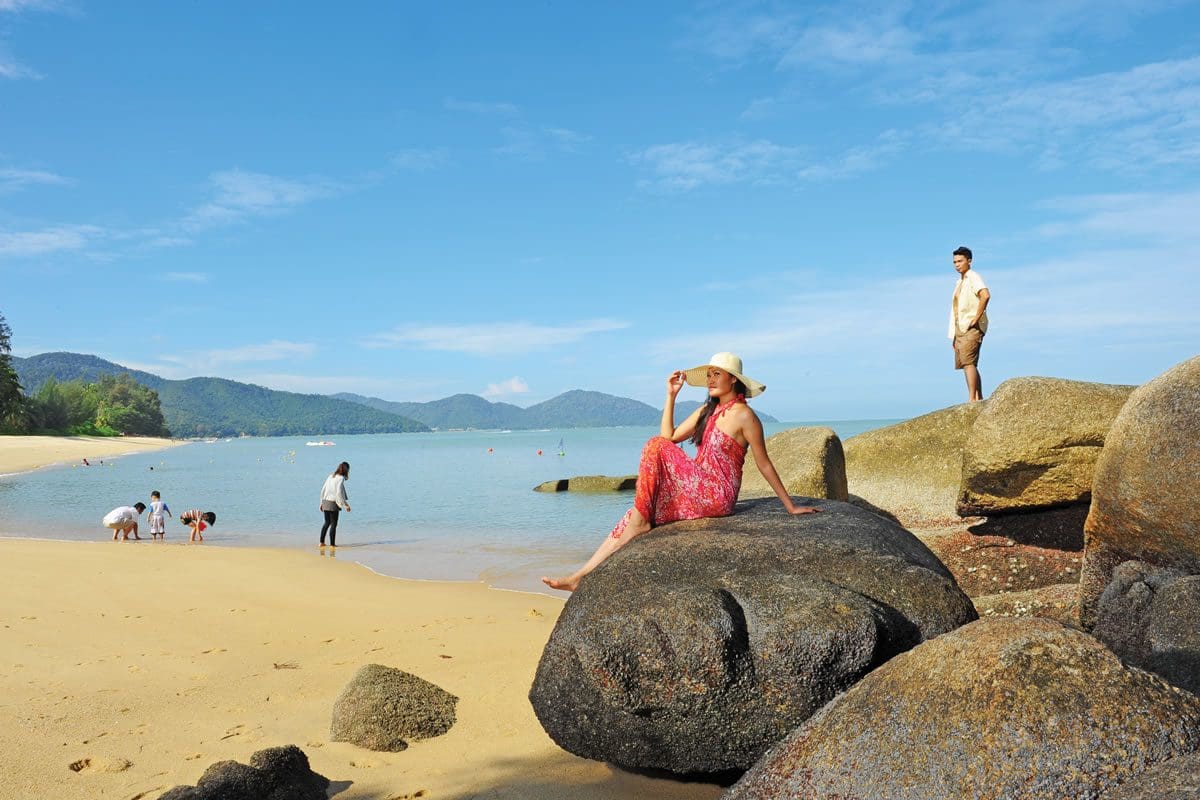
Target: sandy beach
[(23, 453), (130, 667)]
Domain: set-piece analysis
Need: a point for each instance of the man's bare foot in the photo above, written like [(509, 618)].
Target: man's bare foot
[(562, 584)]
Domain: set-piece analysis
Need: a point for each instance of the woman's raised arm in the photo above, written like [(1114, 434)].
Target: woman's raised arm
[(667, 427)]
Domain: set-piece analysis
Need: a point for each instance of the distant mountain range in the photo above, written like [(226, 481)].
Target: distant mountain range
[(220, 407), (574, 409)]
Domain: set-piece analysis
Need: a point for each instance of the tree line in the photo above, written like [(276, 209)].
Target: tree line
[(110, 406)]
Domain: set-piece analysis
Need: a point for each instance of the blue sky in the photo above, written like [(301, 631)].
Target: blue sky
[(514, 200)]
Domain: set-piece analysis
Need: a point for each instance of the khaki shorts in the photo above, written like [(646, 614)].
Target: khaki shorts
[(966, 348)]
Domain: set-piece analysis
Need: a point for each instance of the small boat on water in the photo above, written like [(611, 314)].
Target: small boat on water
[(319, 444)]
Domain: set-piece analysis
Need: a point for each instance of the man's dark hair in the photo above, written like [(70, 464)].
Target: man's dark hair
[(963, 251), (140, 507)]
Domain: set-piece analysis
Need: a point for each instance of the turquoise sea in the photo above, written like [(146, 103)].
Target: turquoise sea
[(428, 505)]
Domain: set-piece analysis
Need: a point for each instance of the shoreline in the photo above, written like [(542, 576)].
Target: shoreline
[(147, 664), (20, 454)]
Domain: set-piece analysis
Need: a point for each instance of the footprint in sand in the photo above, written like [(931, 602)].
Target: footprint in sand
[(417, 793), (236, 730), (314, 744), (367, 763), (100, 764), (193, 756), (213, 650)]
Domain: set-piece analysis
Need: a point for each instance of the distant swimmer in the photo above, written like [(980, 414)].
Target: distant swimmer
[(85, 463)]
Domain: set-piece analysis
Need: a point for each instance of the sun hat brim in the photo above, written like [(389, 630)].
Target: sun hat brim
[(698, 376)]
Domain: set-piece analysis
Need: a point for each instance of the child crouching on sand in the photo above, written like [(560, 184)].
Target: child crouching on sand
[(158, 524), (198, 520)]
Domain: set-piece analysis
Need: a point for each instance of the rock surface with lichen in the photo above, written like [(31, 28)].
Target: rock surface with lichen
[(697, 646), (1146, 483), (809, 460), (1026, 709), (1035, 444)]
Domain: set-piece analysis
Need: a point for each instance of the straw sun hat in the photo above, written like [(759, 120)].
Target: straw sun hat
[(698, 376)]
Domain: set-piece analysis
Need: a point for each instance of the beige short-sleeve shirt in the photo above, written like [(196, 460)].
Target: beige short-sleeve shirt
[(964, 305)]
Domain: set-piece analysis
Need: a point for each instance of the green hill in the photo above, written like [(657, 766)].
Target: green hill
[(573, 409), (219, 407)]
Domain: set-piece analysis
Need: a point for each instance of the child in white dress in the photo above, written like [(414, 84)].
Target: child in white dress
[(158, 525)]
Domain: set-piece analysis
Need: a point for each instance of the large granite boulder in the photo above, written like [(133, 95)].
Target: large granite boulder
[(911, 471), (697, 646), (1175, 779), (383, 707), (1035, 444), (1150, 617), (1146, 485), (277, 773), (810, 462), (1015, 708), (590, 483)]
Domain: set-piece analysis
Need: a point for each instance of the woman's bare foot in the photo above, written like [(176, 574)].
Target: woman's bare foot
[(562, 584)]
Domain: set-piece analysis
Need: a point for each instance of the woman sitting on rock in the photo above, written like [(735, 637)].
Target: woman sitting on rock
[(671, 486)]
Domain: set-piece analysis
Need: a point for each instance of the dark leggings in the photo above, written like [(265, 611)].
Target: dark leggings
[(331, 518)]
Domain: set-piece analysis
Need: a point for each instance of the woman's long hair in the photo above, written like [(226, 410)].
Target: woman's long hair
[(702, 422), (343, 469)]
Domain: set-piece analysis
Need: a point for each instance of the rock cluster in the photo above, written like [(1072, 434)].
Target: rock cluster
[(911, 471), (1144, 495), (1150, 617), (998, 708), (277, 773), (1035, 444), (810, 462), (590, 483), (382, 708), (697, 646)]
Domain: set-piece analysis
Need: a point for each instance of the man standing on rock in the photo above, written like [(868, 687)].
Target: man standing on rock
[(968, 321)]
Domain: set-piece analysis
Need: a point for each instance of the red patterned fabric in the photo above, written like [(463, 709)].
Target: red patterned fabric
[(671, 486)]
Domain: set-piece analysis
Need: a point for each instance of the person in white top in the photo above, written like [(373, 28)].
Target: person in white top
[(968, 321), (124, 520), (333, 499)]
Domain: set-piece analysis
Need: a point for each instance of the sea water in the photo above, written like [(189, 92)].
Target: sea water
[(444, 505)]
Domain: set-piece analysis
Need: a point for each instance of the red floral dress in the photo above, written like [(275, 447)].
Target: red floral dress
[(671, 486)]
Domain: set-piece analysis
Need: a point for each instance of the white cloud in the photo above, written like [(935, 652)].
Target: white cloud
[(14, 6), (14, 179), (1165, 218), (14, 70), (205, 360), (533, 143), (511, 386), (239, 194), (187, 277), (48, 240), (688, 165), (476, 107), (418, 159), (494, 339)]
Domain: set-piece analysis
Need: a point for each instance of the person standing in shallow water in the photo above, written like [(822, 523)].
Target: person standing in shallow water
[(333, 499), (671, 486), (968, 321)]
